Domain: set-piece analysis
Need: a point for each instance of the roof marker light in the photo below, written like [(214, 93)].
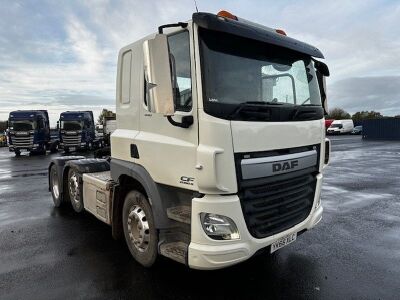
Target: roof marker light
[(227, 14), (280, 31)]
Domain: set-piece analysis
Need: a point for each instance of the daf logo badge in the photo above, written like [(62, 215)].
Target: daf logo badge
[(283, 166)]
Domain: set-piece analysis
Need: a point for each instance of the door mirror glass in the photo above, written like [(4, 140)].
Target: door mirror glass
[(157, 71), (322, 88)]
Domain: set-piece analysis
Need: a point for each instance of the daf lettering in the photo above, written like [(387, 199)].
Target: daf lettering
[(284, 166)]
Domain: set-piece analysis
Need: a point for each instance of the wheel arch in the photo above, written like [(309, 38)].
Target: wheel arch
[(130, 176)]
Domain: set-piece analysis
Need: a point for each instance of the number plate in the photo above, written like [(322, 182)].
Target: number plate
[(72, 149), (286, 240)]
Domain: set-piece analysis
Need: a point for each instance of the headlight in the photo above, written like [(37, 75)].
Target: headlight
[(35, 145), (219, 227)]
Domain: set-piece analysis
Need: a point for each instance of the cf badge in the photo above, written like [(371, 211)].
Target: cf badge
[(187, 180)]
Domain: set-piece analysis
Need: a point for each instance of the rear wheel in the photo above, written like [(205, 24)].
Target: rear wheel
[(55, 186), (139, 230), (74, 190)]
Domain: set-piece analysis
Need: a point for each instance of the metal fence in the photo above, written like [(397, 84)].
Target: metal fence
[(381, 129)]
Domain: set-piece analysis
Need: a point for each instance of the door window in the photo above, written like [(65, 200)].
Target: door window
[(180, 62)]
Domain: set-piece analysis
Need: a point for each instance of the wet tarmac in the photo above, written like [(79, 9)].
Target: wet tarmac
[(353, 253)]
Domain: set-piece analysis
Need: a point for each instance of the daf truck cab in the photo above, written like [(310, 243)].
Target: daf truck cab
[(77, 131), (29, 130), (219, 148)]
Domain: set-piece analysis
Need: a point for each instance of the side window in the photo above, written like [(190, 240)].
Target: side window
[(126, 77), (180, 62)]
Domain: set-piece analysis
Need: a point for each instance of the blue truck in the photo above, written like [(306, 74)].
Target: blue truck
[(29, 130), (78, 131)]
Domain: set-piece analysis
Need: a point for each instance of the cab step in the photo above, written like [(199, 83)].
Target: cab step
[(176, 251), (180, 213)]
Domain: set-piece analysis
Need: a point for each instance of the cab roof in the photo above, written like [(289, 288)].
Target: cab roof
[(253, 31)]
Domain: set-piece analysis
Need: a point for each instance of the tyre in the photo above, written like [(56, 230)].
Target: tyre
[(66, 150), (75, 190), (139, 230), (17, 153), (55, 186), (44, 150), (54, 148)]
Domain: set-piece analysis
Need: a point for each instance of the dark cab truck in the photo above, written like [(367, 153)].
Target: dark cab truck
[(29, 130), (77, 131)]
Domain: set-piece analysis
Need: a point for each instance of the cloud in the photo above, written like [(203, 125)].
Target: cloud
[(63, 54), (372, 93)]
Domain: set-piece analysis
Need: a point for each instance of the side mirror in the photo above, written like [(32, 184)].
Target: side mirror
[(157, 72), (322, 88), (321, 67), (322, 71)]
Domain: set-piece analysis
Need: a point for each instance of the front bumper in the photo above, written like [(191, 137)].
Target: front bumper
[(206, 253), (81, 146), (12, 148)]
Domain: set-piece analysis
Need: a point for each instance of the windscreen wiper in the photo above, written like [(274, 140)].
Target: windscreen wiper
[(251, 104)]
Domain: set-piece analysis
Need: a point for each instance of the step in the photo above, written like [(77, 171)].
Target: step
[(176, 251), (180, 213)]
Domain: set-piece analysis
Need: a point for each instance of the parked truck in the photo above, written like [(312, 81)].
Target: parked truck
[(29, 130), (219, 149), (77, 131)]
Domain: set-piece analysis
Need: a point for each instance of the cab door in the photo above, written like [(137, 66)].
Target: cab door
[(166, 151)]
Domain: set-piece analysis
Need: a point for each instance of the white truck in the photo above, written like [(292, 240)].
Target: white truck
[(219, 148), (341, 127)]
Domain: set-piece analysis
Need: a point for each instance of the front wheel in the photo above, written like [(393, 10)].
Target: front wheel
[(17, 153), (139, 230), (54, 148)]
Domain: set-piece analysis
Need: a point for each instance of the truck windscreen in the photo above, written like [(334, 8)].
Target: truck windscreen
[(71, 125), (22, 125), (242, 76)]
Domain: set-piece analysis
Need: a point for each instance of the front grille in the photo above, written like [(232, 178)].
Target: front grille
[(22, 141), (71, 140), (278, 205)]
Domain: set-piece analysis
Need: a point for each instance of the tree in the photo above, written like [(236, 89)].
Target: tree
[(338, 114), (105, 114), (364, 115)]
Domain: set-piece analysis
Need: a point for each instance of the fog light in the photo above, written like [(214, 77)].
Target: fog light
[(219, 227)]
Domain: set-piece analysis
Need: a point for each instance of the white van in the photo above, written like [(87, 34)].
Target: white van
[(341, 126)]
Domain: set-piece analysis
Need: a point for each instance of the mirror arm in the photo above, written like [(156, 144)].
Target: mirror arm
[(187, 121), (179, 24)]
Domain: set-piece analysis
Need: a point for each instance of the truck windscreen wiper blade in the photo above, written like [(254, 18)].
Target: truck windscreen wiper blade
[(249, 104)]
